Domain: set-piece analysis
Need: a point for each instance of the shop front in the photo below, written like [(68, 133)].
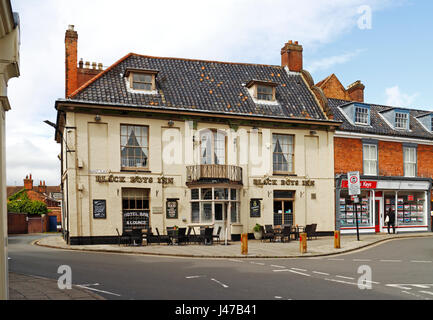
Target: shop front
[(409, 198)]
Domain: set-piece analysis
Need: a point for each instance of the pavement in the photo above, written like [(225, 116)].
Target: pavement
[(24, 287), (322, 246)]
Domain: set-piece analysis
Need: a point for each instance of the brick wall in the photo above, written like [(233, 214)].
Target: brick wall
[(425, 161), (390, 159), (347, 155)]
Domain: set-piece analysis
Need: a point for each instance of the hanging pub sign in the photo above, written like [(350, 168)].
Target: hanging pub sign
[(255, 208), (99, 209), (171, 208)]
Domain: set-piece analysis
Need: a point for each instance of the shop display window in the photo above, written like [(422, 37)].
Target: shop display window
[(410, 208), (348, 210)]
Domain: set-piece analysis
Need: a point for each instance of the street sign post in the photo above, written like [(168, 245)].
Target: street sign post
[(355, 190)]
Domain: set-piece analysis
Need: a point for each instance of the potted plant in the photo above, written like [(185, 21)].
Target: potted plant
[(258, 232)]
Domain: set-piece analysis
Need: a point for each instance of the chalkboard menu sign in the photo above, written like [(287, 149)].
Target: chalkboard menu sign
[(171, 208), (255, 208), (99, 209)]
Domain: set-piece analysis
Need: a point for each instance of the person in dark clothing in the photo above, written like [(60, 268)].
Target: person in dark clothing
[(390, 217)]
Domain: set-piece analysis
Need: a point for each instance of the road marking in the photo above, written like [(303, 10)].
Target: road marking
[(302, 274), (427, 292), (272, 265), (235, 260), (390, 260), (341, 281), (343, 277), (101, 291), (258, 263), (280, 270), (219, 282), (298, 269), (322, 273), (399, 286), (416, 295), (194, 277), (420, 261), (361, 259), (374, 282), (278, 297)]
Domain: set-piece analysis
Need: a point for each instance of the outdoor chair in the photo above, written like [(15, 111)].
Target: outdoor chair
[(125, 238), (310, 230), (198, 238), (181, 236), (286, 233), (150, 237), (207, 235), (163, 238), (267, 234), (217, 235)]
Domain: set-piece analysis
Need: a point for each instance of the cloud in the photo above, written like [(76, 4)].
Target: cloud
[(394, 97), (240, 31), (329, 62)]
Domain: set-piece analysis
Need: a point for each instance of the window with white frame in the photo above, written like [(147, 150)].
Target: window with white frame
[(361, 115), (409, 161), (134, 146), (370, 159), (213, 147), (401, 120), (282, 146)]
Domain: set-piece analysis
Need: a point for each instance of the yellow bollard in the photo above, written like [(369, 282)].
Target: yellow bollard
[(303, 242), (337, 240), (244, 243)]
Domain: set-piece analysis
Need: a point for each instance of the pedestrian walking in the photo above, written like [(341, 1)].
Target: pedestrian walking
[(390, 220)]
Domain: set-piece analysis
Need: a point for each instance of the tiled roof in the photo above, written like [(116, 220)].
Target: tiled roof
[(204, 86), (377, 123)]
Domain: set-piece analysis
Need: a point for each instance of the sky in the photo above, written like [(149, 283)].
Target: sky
[(385, 44)]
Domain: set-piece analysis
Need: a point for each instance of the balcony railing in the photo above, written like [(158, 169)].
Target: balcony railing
[(214, 171)]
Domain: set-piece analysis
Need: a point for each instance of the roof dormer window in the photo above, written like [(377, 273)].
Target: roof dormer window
[(362, 115), (141, 79), (262, 91), (401, 120)]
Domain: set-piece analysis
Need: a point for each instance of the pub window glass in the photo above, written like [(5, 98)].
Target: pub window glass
[(134, 146), (195, 212), (234, 212), (135, 207)]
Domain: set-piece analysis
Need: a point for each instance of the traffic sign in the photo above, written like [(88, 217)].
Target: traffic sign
[(354, 183)]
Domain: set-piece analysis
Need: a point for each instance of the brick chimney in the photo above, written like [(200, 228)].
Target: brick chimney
[(42, 188), (28, 183), (71, 76), (291, 56), (356, 91)]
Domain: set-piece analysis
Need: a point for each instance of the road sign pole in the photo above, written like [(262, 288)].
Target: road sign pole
[(356, 217), (355, 190)]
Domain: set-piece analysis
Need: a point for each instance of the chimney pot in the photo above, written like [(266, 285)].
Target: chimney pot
[(87, 64), (71, 27), (94, 65), (291, 56), (100, 66)]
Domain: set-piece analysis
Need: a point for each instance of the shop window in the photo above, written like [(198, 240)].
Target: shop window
[(135, 209), (134, 146), (282, 146), (349, 210), (409, 208), (409, 161), (370, 159)]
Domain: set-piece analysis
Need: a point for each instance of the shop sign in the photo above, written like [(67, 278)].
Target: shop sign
[(364, 184), (134, 179), (171, 209), (255, 208), (283, 182), (135, 219)]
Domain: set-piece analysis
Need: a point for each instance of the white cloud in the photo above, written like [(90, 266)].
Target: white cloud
[(227, 30), (329, 62), (394, 97)]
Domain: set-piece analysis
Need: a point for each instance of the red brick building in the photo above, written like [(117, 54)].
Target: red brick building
[(392, 149), (50, 195)]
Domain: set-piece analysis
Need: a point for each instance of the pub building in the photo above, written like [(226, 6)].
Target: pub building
[(391, 148), (155, 142)]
